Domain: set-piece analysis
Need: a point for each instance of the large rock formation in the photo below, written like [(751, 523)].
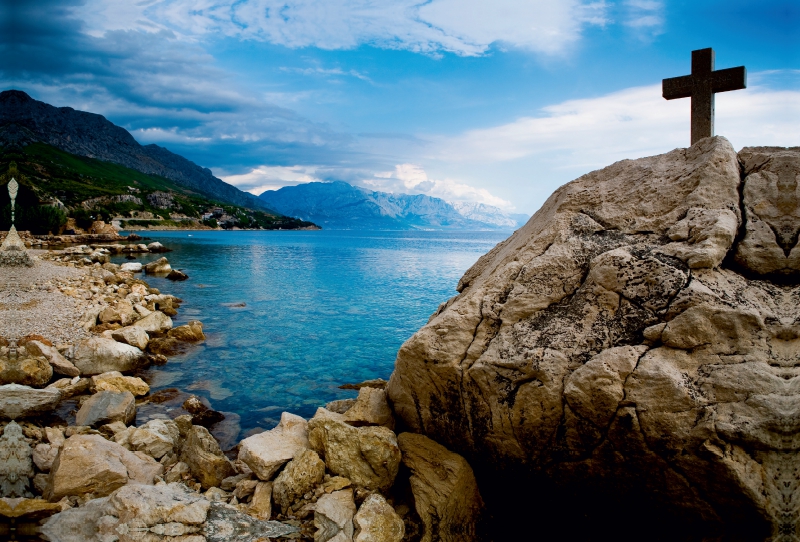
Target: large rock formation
[(638, 339)]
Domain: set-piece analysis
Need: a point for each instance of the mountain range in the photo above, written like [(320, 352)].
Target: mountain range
[(339, 205), (24, 120)]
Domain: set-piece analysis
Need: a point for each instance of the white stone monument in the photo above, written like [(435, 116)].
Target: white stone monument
[(12, 251)]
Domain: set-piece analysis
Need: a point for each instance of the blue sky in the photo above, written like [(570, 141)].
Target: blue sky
[(495, 102)]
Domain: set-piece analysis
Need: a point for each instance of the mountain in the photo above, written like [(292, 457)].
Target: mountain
[(339, 205), (488, 214), (24, 120)]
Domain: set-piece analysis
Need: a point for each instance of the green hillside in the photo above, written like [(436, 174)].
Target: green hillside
[(136, 198)]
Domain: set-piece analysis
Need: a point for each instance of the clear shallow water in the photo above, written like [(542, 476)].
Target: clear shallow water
[(322, 308)]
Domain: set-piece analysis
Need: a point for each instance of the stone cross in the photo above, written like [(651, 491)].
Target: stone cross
[(13, 188), (700, 86)]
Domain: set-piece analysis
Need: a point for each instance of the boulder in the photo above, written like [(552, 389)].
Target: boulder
[(59, 363), (191, 332), (159, 267), (156, 438), (105, 407), (370, 408), (301, 475), (636, 341), (25, 370), (132, 335), (267, 452), (115, 381), (177, 275), (369, 456), (43, 456), (155, 323), (99, 355), (206, 461), (91, 464), (70, 387), (157, 247), (27, 510), (376, 521), (161, 504), (133, 267), (446, 494), (333, 517), (18, 401)]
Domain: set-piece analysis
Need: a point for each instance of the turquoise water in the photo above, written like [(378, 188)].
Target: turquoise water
[(322, 308)]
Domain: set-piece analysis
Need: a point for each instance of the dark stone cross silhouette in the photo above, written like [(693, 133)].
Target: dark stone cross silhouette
[(700, 86)]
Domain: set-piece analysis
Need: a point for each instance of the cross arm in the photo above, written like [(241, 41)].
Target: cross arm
[(677, 87), (729, 79)]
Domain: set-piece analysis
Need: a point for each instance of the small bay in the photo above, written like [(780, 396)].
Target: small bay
[(291, 315)]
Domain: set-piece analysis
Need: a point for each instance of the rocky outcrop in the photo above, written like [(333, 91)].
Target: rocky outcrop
[(639, 336)]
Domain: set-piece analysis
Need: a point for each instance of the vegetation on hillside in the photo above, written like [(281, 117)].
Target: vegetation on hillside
[(55, 185)]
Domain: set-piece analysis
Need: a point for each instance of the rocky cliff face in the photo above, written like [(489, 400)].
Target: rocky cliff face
[(24, 120), (640, 336)]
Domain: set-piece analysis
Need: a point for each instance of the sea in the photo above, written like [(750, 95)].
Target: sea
[(289, 316)]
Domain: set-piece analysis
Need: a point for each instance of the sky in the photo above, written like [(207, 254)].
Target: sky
[(497, 102)]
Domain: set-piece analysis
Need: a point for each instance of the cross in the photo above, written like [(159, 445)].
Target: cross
[(700, 86)]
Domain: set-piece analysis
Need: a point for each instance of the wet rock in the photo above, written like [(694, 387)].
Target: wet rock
[(159, 267), (177, 275), (156, 438), (155, 323), (333, 517), (105, 407), (191, 332), (446, 494), (267, 452), (132, 335), (301, 475), (376, 521), (377, 383), (369, 456), (99, 355), (22, 401), (91, 464), (115, 381), (340, 406), (166, 346), (205, 459), (370, 408)]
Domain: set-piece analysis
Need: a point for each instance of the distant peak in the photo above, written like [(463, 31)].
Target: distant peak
[(14, 95)]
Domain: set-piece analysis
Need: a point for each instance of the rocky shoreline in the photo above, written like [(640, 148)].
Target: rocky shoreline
[(77, 464)]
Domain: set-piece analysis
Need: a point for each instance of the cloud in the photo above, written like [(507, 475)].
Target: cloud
[(412, 179), (589, 133), (463, 27), (264, 178)]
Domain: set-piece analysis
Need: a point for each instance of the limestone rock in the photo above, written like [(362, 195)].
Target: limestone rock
[(370, 408), (132, 335), (267, 452), (191, 332), (369, 456), (44, 455), (226, 524), (205, 459), (114, 381), (156, 438), (107, 406), (638, 336), (91, 464), (333, 517), (22, 401), (155, 323), (162, 504), (376, 521), (158, 267), (261, 503), (27, 510), (19, 366), (60, 364), (99, 355), (445, 491), (133, 267), (301, 475)]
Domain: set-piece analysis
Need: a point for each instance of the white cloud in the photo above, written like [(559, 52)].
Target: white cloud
[(264, 178), (464, 27), (635, 122), (412, 179)]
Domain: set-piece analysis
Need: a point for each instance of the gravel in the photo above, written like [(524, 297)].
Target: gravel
[(31, 303)]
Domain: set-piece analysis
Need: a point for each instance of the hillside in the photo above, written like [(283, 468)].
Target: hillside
[(87, 189), (338, 205), (24, 121)]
